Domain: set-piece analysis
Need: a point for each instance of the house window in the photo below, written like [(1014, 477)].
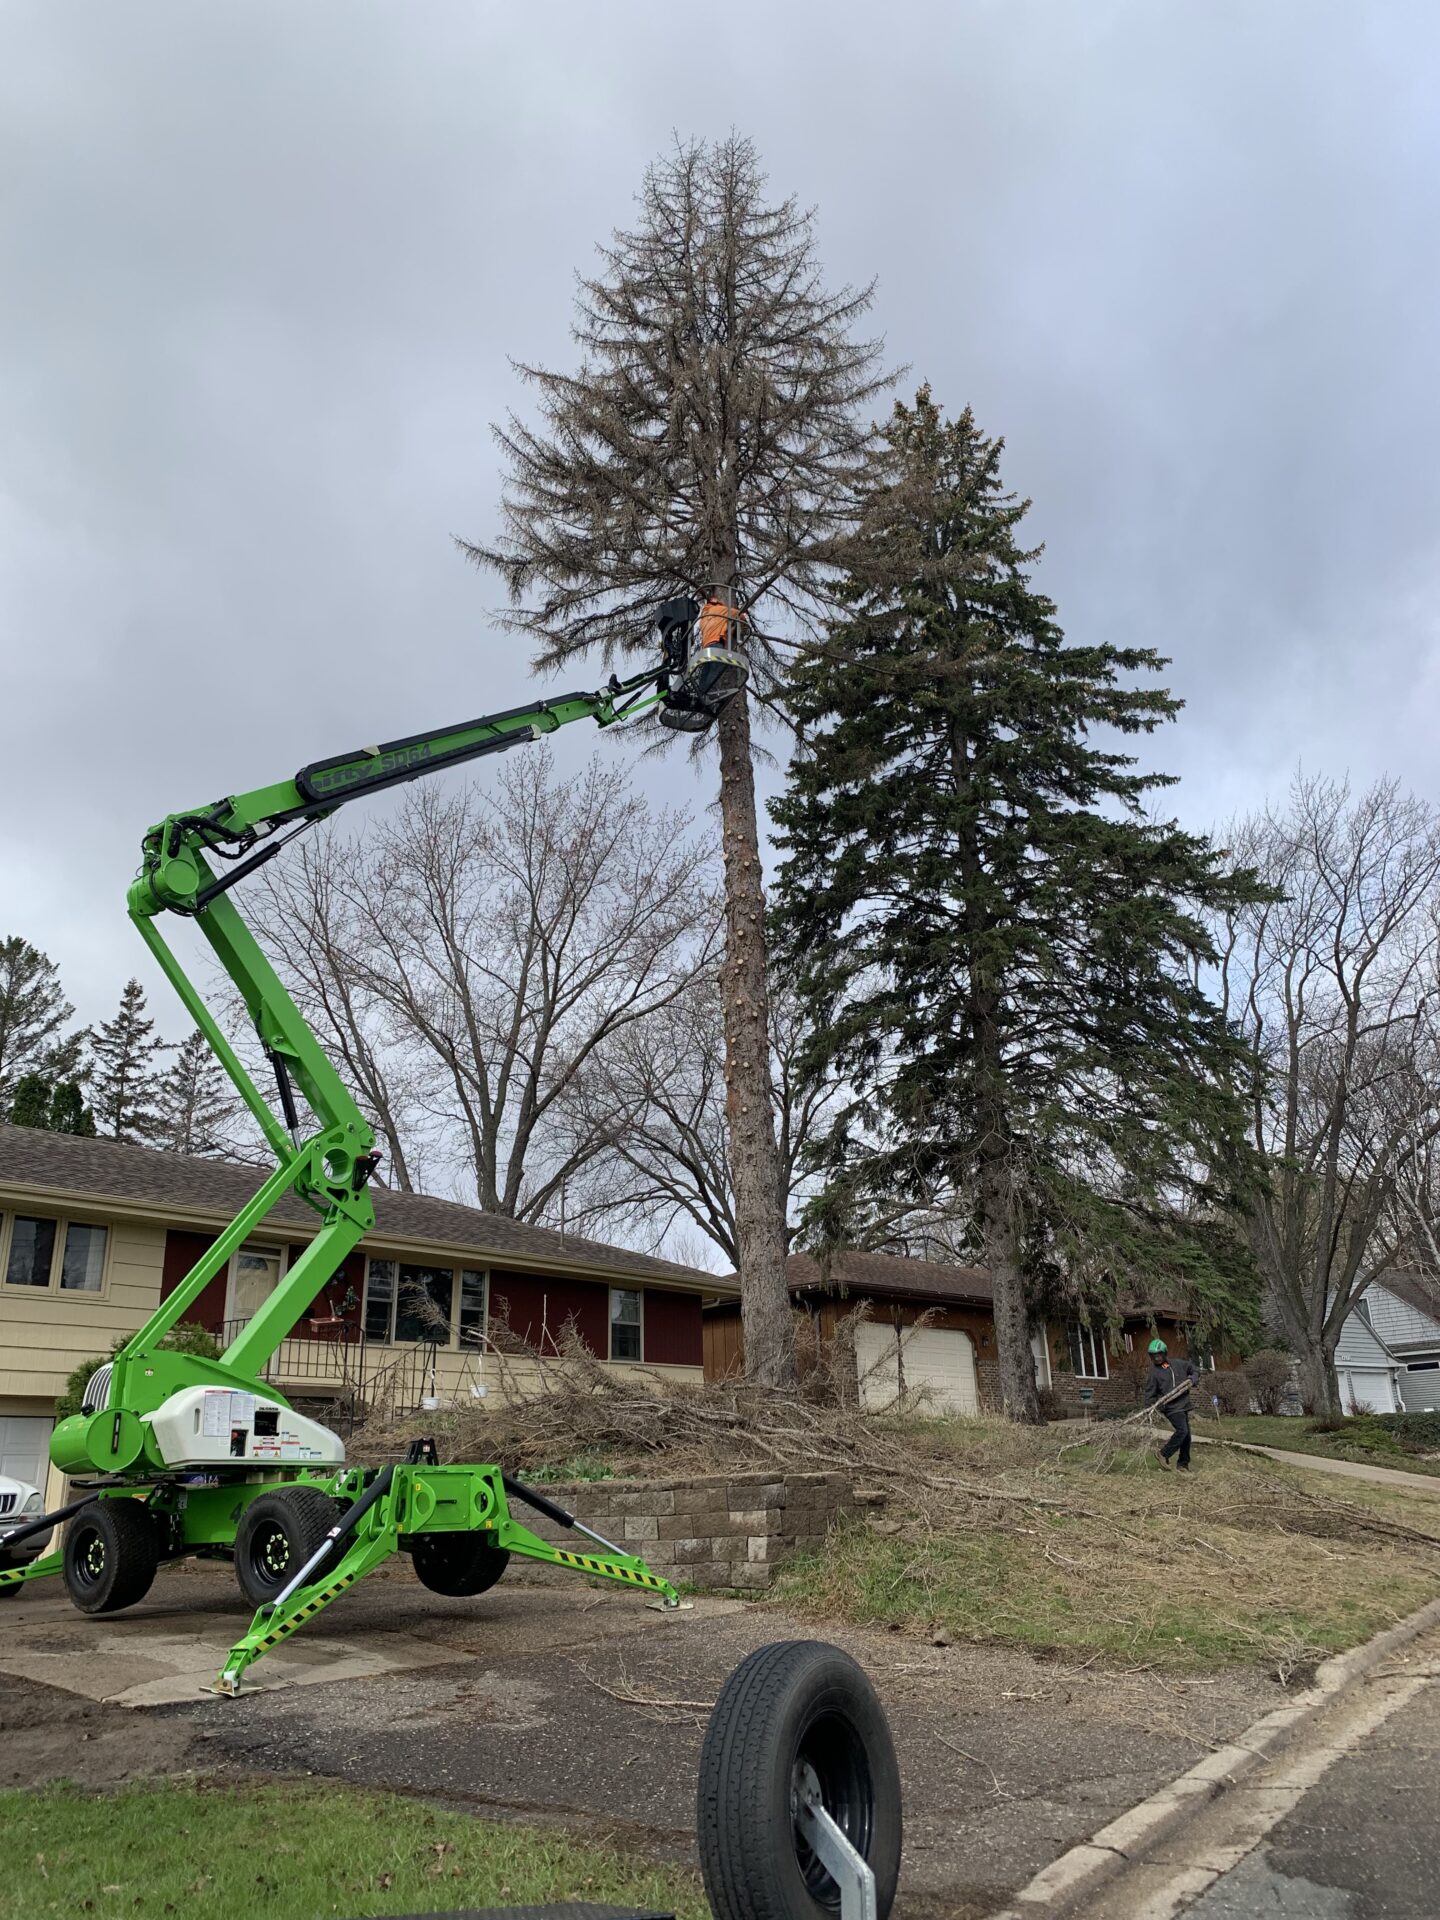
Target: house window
[(472, 1307), (408, 1304), (625, 1323), (423, 1304), (32, 1252), (31, 1249), (1087, 1353), (83, 1261), (379, 1299)]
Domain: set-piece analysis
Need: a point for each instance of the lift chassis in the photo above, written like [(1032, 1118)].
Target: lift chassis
[(175, 1454)]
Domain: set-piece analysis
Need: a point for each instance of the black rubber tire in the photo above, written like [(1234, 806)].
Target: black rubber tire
[(111, 1552), (9, 1593), (459, 1564), (277, 1534), (796, 1702)]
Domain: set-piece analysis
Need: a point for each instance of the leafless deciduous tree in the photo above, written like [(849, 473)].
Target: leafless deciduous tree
[(1335, 986), (480, 953), (713, 438), (657, 1098)]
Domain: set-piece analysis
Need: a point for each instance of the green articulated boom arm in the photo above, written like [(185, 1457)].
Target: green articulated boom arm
[(191, 861)]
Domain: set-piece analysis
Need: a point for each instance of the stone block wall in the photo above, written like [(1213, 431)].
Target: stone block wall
[(715, 1532)]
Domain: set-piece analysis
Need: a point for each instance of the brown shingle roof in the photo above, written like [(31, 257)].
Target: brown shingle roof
[(890, 1276), (183, 1185), (893, 1276)]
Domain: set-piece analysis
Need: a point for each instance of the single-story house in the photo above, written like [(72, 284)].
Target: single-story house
[(1401, 1312), (953, 1355), (1365, 1369), (95, 1233)]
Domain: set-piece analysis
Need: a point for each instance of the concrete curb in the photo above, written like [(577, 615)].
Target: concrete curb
[(1088, 1865)]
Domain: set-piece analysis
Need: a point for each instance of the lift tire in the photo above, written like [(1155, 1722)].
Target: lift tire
[(9, 1593), (798, 1703), (111, 1552), (277, 1534), (459, 1564)]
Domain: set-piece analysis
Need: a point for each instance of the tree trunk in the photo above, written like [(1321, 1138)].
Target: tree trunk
[(749, 1112), (1319, 1382), (1018, 1395)]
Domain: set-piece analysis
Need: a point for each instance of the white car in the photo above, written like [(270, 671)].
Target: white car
[(20, 1504)]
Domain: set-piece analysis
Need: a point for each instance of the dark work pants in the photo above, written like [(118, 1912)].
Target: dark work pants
[(1179, 1441)]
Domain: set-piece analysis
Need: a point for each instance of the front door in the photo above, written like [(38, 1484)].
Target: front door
[(254, 1275)]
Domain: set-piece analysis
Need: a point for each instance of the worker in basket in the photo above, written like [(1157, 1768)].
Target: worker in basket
[(700, 646), (1167, 1385)]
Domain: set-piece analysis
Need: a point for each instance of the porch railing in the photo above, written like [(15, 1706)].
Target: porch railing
[(356, 1376)]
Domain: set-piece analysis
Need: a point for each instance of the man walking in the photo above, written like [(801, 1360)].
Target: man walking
[(1164, 1377)]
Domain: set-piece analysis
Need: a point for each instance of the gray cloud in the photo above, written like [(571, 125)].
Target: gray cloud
[(266, 263)]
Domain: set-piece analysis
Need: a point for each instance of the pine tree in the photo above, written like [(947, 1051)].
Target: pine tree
[(126, 1079), (997, 947), (713, 439), (30, 1104), (50, 1106), (33, 1013), (194, 1105), (68, 1111)]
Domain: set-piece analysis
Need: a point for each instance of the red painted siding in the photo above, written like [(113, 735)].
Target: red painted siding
[(673, 1333), (318, 1317), (182, 1250), (540, 1303)]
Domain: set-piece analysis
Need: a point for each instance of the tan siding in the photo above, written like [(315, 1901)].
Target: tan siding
[(45, 1334)]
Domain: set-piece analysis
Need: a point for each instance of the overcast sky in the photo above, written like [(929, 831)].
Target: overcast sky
[(265, 262)]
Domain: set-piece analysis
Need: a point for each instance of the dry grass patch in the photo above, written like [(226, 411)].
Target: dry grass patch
[(1049, 1539)]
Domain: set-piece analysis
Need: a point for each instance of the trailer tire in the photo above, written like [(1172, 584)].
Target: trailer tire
[(458, 1564), (796, 1704), (277, 1534), (111, 1552)]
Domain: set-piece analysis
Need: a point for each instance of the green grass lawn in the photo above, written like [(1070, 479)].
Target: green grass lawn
[(1359, 1439), (297, 1852)]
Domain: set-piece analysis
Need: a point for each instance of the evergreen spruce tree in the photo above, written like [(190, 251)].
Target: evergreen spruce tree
[(33, 1013), (193, 1104), (997, 946), (125, 1077)]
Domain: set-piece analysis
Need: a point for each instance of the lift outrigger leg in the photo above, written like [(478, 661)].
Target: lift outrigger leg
[(403, 1505)]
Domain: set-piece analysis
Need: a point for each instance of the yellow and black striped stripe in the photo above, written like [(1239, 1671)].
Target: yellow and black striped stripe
[(322, 1599), (588, 1564)]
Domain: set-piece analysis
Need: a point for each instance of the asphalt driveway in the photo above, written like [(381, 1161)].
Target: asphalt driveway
[(558, 1702)]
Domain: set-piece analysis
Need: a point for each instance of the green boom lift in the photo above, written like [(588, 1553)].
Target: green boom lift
[(173, 1454)]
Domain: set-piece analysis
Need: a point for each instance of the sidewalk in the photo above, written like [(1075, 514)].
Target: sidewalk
[(1425, 1483)]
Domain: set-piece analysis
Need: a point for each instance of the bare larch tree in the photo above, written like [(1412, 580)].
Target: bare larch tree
[(1334, 983), (477, 957), (711, 440)]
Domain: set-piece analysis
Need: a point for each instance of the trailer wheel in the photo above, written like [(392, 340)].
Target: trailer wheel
[(798, 1712), (277, 1534), (459, 1564), (111, 1552)]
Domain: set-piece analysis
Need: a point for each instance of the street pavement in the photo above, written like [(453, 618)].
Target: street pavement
[(1362, 1844), (1340, 1822)]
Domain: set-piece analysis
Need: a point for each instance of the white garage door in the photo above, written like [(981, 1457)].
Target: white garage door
[(25, 1448), (1369, 1387), (939, 1368)]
